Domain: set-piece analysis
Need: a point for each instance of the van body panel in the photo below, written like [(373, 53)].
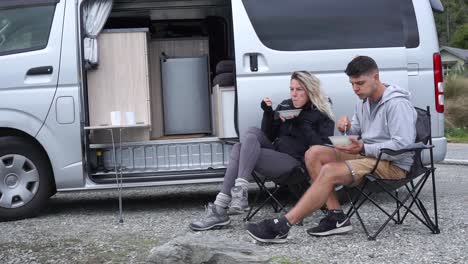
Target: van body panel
[(62, 140), (410, 68), (275, 67), (25, 100), (422, 85)]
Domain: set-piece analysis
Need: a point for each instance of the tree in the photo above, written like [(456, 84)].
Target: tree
[(460, 37), (448, 22)]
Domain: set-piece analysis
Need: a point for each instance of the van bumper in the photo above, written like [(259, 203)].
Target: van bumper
[(440, 150)]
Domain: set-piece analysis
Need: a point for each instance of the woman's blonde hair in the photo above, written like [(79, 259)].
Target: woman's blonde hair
[(312, 85)]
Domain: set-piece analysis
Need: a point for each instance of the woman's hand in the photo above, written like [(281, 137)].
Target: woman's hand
[(266, 104)]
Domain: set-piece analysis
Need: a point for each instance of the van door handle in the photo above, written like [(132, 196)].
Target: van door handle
[(253, 62), (40, 70)]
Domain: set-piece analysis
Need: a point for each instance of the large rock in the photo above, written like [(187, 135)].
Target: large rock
[(206, 248)]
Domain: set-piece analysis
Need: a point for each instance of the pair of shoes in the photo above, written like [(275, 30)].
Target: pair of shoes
[(240, 200), (332, 224), (214, 219), (269, 230)]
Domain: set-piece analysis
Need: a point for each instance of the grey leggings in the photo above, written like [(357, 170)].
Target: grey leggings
[(256, 152)]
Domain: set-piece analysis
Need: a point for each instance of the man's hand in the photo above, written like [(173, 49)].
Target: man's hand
[(343, 124), (355, 147)]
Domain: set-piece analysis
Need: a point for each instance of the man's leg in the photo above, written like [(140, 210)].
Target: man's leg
[(330, 175), (276, 230), (315, 158)]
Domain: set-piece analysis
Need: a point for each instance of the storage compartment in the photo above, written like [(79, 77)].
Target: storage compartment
[(121, 82), (164, 74), (185, 95), (223, 100), (172, 47)]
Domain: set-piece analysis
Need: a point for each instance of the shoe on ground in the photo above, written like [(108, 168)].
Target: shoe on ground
[(332, 224), (213, 219), (269, 230), (239, 200)]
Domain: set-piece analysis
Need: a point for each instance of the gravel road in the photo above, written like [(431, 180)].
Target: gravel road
[(83, 228)]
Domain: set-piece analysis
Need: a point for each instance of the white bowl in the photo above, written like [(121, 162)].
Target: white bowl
[(289, 114), (340, 140)]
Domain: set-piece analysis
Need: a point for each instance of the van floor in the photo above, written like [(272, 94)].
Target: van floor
[(182, 136)]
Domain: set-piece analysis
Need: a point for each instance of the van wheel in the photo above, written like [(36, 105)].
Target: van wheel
[(25, 179)]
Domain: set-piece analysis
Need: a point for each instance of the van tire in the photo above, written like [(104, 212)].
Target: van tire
[(25, 179)]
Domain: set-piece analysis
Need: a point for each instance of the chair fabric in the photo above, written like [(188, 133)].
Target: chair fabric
[(225, 66), (413, 183), (296, 181)]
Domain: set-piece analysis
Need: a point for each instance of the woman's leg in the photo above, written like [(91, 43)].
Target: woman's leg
[(274, 165), (254, 139), (252, 144), (224, 197)]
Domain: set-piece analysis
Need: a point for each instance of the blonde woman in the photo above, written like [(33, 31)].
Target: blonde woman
[(275, 150)]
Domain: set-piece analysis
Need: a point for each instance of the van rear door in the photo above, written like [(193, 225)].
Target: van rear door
[(273, 38), (30, 42)]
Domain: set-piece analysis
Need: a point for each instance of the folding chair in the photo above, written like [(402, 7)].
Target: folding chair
[(413, 183), (297, 182)]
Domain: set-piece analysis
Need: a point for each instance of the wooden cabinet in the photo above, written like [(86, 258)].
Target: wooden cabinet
[(121, 81)]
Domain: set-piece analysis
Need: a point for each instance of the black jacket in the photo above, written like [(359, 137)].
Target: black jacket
[(295, 136)]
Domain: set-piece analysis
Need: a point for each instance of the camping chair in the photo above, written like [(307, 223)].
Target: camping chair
[(297, 182), (413, 183)]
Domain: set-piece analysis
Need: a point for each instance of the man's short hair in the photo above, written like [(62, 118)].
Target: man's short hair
[(361, 65)]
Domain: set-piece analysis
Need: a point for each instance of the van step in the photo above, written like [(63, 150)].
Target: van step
[(172, 156), (132, 177)]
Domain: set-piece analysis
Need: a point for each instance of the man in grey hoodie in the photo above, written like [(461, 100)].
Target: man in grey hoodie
[(384, 118)]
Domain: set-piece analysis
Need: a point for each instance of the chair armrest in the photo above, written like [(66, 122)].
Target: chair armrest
[(409, 148)]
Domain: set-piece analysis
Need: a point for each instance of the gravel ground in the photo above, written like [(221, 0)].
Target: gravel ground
[(82, 228)]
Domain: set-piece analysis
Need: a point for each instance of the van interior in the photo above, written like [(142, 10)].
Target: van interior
[(164, 86)]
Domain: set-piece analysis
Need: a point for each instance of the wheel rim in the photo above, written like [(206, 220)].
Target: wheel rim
[(19, 181)]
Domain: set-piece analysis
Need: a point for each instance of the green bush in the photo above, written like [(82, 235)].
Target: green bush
[(456, 85), (456, 108), (457, 134)]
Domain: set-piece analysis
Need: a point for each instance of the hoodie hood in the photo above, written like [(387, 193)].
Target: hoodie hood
[(394, 91)]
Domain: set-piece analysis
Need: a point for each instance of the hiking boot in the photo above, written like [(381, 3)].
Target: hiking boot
[(269, 230), (332, 224), (240, 200), (214, 219)]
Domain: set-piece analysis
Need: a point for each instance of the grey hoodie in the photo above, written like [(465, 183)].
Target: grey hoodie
[(392, 125)]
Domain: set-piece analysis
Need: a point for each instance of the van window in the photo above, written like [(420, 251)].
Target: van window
[(333, 24), (25, 28)]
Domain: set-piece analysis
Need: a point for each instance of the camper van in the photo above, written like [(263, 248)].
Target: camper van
[(102, 94)]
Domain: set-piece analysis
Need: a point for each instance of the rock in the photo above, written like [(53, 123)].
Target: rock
[(206, 248)]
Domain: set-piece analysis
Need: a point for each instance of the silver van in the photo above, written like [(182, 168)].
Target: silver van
[(98, 94)]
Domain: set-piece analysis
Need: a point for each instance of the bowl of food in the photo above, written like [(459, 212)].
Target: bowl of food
[(340, 140), (289, 114)]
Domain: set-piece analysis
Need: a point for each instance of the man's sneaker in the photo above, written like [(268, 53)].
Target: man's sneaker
[(269, 230), (332, 224), (240, 200), (212, 220)]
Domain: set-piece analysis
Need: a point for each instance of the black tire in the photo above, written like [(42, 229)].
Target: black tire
[(40, 185)]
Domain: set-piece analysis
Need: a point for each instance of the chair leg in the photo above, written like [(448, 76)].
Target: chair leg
[(354, 209), (434, 195), (270, 198), (417, 188), (397, 204)]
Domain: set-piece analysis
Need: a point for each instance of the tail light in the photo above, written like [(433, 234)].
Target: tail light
[(438, 83)]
